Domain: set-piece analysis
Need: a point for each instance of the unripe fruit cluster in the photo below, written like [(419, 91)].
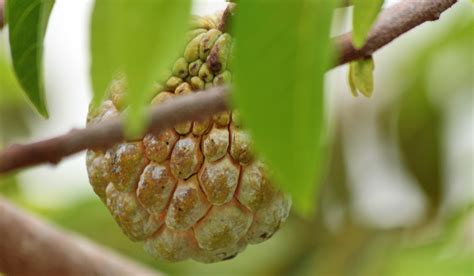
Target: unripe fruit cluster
[(193, 191)]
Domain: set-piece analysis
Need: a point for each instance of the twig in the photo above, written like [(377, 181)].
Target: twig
[(344, 3), (30, 246), (392, 23), (2, 13), (103, 135)]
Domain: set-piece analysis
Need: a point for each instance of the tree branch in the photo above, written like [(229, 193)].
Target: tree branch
[(392, 22), (105, 134), (2, 13), (30, 246)]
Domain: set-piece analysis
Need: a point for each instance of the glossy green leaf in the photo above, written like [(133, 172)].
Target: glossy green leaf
[(140, 39), (27, 21), (364, 15), (361, 77), (283, 51)]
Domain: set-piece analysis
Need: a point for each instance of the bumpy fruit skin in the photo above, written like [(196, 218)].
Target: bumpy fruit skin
[(195, 190)]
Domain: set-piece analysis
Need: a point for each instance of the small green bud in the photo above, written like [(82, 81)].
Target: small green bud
[(194, 67), (223, 78), (192, 34), (198, 22), (173, 82), (191, 53), (207, 42), (205, 73), (361, 77), (180, 68), (197, 83), (183, 88)]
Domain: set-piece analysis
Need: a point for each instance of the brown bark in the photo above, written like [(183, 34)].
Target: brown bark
[(391, 23), (29, 246), (2, 13), (103, 135)]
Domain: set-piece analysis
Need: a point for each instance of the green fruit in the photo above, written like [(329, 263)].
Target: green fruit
[(195, 190)]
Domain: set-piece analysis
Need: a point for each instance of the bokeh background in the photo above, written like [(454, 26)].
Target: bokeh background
[(398, 190)]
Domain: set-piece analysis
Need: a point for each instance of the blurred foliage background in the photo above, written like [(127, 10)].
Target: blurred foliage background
[(397, 194)]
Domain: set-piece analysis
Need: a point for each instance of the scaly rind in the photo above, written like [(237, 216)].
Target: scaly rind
[(134, 220), (194, 190)]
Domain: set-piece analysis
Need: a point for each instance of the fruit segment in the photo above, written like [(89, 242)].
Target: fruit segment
[(155, 188), (187, 206), (219, 180)]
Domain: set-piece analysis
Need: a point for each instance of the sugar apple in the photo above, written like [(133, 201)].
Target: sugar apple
[(195, 190)]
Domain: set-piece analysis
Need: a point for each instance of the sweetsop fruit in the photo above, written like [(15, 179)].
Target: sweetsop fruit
[(195, 190)]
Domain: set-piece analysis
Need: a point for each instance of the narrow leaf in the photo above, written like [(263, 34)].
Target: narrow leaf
[(364, 15), (419, 134), (140, 39), (351, 81), (361, 76), (283, 51), (27, 20)]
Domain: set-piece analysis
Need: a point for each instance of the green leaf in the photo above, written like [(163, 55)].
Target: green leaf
[(351, 81), (27, 21), (422, 117), (283, 51), (361, 77), (419, 129), (140, 39), (364, 15)]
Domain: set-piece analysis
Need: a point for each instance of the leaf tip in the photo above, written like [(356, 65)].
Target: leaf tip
[(40, 107), (361, 78), (350, 79), (44, 113)]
